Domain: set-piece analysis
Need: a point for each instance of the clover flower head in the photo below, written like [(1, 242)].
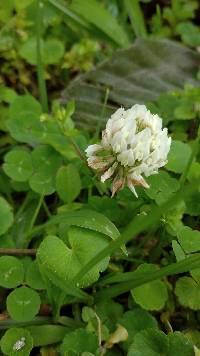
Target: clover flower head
[(133, 146)]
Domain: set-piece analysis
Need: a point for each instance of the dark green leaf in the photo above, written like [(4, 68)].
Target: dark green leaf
[(135, 75)]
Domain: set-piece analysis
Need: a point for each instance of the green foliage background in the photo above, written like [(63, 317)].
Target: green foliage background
[(81, 273)]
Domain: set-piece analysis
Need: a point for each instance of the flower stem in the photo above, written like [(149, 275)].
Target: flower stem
[(40, 68), (18, 251), (36, 212)]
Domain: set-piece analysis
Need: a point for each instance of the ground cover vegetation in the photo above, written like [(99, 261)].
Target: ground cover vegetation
[(81, 272)]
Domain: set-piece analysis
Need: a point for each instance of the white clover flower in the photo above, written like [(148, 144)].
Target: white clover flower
[(133, 146)]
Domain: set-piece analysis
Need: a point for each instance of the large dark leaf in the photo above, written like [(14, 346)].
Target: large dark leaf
[(137, 74)]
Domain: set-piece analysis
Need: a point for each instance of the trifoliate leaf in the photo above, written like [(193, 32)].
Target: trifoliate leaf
[(152, 295), (18, 165), (23, 304), (11, 272)]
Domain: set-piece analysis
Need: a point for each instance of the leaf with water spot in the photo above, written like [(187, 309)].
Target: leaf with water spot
[(18, 164), (11, 272), (17, 342)]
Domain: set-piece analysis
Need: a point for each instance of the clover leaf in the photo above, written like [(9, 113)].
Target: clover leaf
[(65, 262), (152, 295)]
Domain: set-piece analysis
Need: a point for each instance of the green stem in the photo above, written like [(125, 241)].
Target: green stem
[(36, 212), (40, 68), (135, 279), (191, 158), (46, 209), (136, 226), (102, 114), (40, 320)]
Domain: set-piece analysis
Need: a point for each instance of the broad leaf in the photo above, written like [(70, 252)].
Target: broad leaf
[(135, 75), (64, 262), (89, 220), (155, 343)]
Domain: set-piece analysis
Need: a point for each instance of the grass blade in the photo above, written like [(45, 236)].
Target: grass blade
[(136, 226), (136, 16), (135, 279)]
